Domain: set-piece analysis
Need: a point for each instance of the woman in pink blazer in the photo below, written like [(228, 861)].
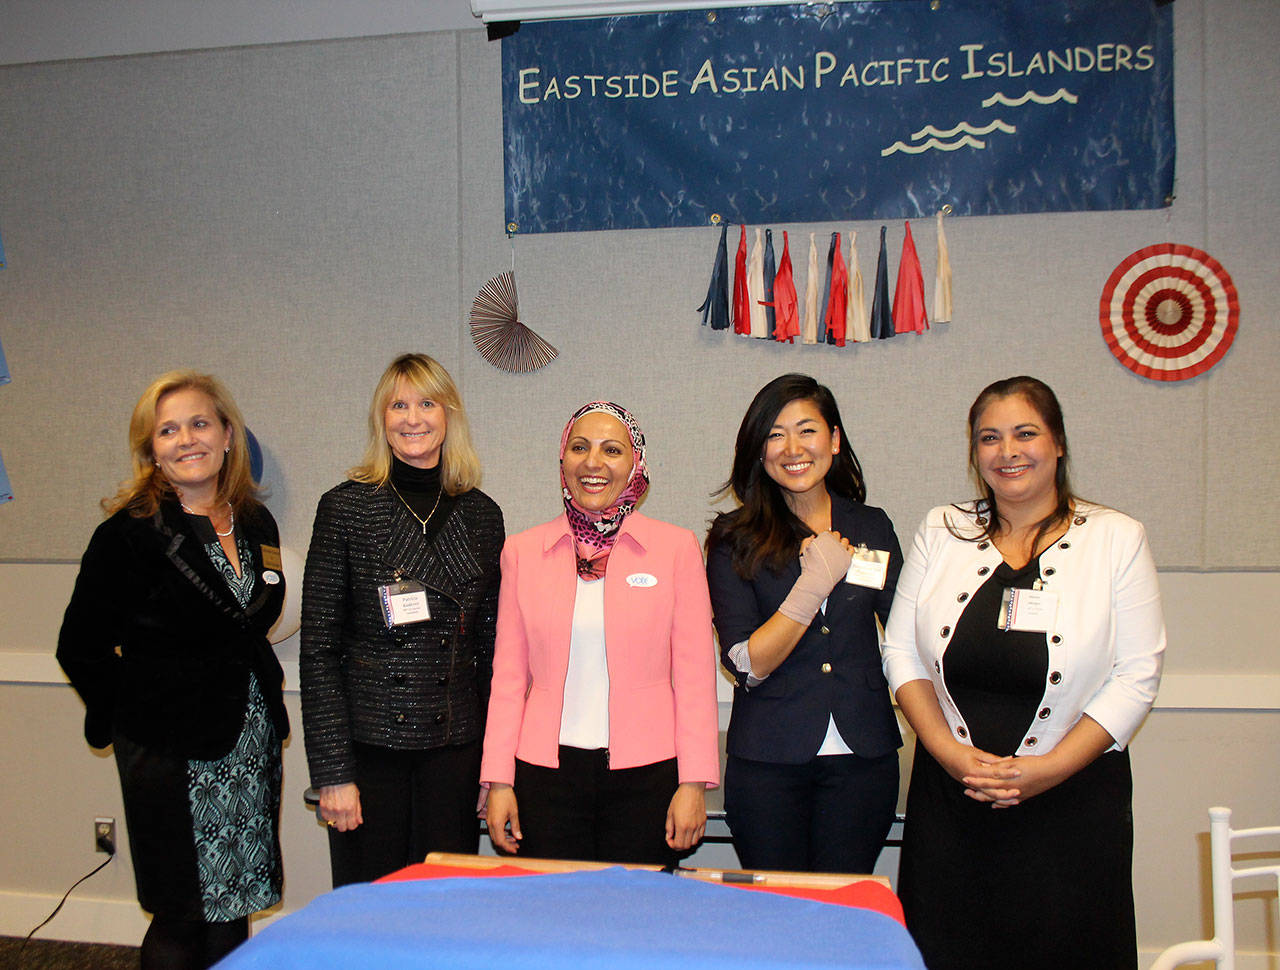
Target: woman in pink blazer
[(602, 728)]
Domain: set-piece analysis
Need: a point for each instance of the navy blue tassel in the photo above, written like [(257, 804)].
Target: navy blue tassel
[(881, 311), (825, 305), (770, 271), (716, 306)]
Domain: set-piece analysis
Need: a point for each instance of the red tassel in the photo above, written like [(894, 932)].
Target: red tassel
[(786, 303), (741, 301), (908, 297), (839, 297)]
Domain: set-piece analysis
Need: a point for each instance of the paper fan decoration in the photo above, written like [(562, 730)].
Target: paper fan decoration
[(499, 335), (1169, 312)]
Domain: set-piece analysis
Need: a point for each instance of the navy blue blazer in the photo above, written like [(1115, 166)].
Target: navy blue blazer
[(834, 671)]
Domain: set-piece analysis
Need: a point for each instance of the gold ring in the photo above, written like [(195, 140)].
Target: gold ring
[(330, 822)]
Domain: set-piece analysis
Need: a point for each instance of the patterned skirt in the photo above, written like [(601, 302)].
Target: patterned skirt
[(203, 835)]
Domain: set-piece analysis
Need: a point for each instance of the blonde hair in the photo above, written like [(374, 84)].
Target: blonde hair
[(459, 464), (143, 493)]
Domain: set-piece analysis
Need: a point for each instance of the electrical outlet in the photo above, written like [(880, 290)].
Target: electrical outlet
[(104, 829)]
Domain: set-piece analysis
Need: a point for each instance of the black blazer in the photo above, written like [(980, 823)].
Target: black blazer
[(157, 645), (784, 719), (413, 687)]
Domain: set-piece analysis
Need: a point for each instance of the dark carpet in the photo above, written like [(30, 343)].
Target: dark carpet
[(56, 955)]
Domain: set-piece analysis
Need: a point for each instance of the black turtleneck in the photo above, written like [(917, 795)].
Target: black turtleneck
[(420, 489)]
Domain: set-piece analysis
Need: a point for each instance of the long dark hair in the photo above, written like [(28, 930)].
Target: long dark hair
[(763, 531), (1041, 398)]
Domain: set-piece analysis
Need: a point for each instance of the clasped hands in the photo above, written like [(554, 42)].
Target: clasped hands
[(1001, 782)]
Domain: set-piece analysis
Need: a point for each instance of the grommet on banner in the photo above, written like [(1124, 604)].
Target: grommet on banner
[(715, 219)]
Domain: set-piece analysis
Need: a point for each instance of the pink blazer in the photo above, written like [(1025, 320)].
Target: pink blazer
[(659, 646)]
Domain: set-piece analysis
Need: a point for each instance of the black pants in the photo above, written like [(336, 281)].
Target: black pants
[(584, 810), (830, 814), (413, 802)]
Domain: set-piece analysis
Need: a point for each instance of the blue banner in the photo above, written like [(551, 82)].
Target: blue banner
[(826, 112)]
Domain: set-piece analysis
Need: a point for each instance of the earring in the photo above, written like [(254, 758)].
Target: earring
[(226, 450)]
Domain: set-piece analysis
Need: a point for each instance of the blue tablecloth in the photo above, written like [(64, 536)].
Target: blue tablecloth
[(611, 918)]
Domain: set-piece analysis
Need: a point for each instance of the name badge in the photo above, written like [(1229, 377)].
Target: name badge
[(869, 568), (1028, 610), (642, 580), (271, 558), (404, 602), (270, 577)]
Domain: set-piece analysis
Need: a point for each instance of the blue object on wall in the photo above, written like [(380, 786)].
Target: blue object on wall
[(881, 110), (255, 456), (6, 490)]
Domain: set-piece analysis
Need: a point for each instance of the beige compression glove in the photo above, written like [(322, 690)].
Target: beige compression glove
[(824, 562)]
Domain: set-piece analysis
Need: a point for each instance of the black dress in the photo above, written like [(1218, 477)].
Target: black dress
[(1044, 884)]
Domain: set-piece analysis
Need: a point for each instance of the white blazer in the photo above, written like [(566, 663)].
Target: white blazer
[(1105, 651)]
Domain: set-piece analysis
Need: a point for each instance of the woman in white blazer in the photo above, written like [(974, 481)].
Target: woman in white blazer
[(1024, 647)]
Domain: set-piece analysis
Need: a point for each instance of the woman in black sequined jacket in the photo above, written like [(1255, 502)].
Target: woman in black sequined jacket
[(393, 714)]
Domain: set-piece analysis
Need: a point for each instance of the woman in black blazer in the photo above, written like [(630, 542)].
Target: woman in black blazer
[(399, 604), (799, 573), (165, 640)]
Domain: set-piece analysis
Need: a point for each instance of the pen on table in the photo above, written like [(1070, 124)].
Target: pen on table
[(730, 877)]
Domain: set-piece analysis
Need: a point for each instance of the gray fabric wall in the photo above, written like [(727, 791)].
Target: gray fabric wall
[(291, 216)]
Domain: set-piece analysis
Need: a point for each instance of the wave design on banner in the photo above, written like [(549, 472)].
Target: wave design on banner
[(887, 110), (1062, 94)]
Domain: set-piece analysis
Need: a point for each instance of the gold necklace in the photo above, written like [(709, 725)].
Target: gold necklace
[(410, 508)]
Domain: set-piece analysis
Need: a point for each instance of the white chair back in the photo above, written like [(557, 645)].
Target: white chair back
[(1222, 948)]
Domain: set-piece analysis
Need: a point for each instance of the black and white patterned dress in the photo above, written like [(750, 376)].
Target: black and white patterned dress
[(203, 834), (235, 800)]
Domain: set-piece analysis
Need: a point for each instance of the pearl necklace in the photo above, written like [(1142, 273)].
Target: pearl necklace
[(222, 535)]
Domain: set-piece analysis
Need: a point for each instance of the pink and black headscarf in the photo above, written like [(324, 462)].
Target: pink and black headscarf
[(595, 532)]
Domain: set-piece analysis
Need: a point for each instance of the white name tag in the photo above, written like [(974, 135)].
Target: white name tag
[(404, 602), (869, 568), (642, 580), (1028, 610)]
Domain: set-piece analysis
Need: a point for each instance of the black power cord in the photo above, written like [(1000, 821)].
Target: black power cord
[(104, 844)]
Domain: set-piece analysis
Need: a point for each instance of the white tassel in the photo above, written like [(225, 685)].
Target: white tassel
[(942, 281), (755, 287), (857, 324), (809, 323)]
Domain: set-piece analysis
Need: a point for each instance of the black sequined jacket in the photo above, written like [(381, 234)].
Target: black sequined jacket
[(411, 687)]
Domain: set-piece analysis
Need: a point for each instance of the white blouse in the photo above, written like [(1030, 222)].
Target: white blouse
[(584, 721)]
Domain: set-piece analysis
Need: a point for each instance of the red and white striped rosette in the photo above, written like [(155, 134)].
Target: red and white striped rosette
[(1169, 312)]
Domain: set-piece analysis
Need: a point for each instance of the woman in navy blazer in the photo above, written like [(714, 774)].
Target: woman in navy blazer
[(811, 782)]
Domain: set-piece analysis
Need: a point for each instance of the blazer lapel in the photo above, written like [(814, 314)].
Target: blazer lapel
[(443, 564), (558, 583), (186, 552), (843, 594)]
